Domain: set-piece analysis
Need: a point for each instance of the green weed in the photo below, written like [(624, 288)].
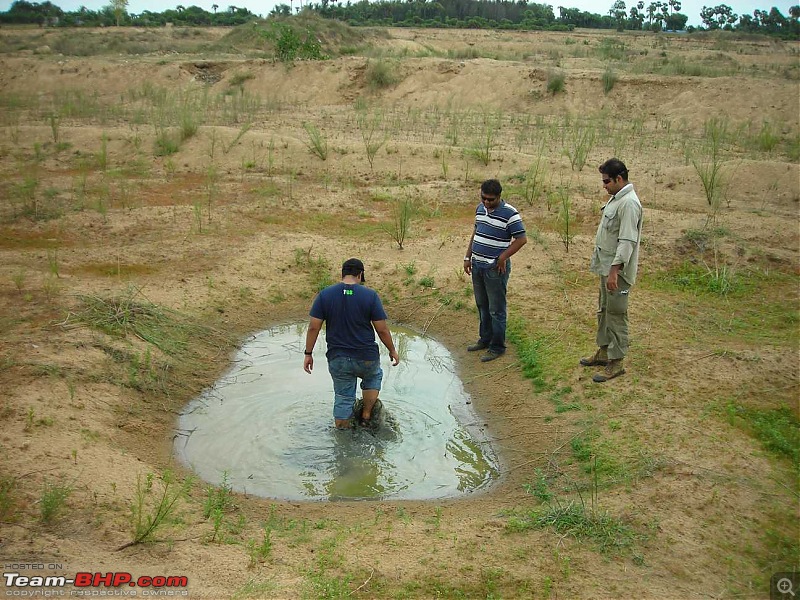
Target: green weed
[(381, 74), (608, 533), (530, 352), (778, 430), (556, 82), (403, 210), (609, 80), (164, 328), (317, 143), (53, 501), (152, 509), (259, 551)]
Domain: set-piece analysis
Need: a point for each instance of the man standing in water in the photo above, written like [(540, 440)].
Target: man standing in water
[(498, 234), (353, 313)]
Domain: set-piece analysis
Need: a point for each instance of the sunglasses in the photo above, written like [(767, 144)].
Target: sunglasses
[(488, 199)]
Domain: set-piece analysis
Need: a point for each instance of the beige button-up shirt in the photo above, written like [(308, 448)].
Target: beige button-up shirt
[(619, 235)]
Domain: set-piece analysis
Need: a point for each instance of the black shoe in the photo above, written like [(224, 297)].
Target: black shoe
[(490, 356), (477, 346)]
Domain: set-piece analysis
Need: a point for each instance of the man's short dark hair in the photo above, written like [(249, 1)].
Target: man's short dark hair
[(353, 266), (614, 168), (493, 187)]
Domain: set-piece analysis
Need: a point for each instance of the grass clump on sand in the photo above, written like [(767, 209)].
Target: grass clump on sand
[(166, 329), (572, 518)]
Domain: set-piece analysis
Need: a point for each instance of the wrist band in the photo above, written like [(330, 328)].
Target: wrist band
[(466, 258), (307, 353)]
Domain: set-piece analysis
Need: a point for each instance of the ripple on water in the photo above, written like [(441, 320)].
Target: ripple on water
[(267, 425)]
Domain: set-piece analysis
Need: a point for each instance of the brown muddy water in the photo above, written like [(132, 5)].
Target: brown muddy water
[(266, 427)]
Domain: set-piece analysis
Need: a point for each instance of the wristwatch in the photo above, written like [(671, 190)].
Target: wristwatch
[(307, 353)]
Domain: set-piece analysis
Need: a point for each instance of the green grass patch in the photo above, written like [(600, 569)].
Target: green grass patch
[(530, 351), (166, 329), (778, 429), (722, 281), (609, 534)]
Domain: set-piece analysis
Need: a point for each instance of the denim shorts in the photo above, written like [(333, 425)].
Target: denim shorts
[(345, 372)]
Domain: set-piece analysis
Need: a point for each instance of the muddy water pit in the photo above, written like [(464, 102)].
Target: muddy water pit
[(266, 427)]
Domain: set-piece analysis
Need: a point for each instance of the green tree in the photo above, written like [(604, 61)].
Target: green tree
[(718, 17), (120, 9)]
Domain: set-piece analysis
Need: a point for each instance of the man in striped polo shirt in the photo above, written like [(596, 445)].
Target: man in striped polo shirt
[(498, 234)]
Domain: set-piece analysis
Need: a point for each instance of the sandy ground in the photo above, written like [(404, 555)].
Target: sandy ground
[(235, 230)]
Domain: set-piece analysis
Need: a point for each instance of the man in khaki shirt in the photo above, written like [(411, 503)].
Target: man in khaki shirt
[(616, 260)]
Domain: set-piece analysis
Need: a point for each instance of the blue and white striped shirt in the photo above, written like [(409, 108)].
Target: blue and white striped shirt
[(494, 232)]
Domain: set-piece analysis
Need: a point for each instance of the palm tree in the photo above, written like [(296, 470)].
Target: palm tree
[(214, 7)]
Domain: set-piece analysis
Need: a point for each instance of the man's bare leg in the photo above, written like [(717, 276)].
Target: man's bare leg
[(370, 398), (343, 423)]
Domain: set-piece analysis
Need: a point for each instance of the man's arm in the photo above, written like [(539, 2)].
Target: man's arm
[(518, 243), (314, 327), (382, 329), (468, 255), (628, 237)]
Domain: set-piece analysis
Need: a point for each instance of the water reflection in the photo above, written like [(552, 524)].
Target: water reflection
[(268, 425)]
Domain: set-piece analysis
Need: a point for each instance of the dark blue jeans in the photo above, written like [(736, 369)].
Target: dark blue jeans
[(490, 287)]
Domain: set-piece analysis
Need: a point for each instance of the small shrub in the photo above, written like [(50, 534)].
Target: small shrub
[(767, 138), (381, 74), (53, 500), (555, 82), (317, 143), (402, 212), (259, 552), (609, 80), (152, 509)]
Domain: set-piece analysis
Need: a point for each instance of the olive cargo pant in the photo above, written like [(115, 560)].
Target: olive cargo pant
[(612, 318)]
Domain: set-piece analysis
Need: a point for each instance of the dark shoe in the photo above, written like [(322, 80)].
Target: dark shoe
[(477, 346), (490, 356), (598, 359), (613, 369)]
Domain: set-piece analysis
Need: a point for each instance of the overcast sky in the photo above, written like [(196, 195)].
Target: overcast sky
[(691, 8)]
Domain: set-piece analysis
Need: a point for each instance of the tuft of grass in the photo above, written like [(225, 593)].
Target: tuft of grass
[(53, 501), (381, 74), (721, 281), (164, 328), (608, 533), (609, 80), (259, 551), (319, 268), (767, 138), (556, 82), (529, 352), (317, 143), (778, 430)]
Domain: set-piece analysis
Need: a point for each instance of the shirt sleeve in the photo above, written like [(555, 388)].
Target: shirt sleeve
[(317, 310), (624, 251), (378, 314), (629, 216)]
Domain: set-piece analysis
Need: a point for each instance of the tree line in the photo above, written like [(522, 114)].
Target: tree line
[(479, 14)]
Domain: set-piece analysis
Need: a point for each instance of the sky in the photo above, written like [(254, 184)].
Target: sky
[(691, 8)]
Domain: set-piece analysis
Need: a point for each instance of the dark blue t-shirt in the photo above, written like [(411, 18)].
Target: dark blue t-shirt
[(348, 311)]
